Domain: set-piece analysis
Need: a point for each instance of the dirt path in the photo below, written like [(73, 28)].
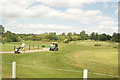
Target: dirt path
[(44, 49)]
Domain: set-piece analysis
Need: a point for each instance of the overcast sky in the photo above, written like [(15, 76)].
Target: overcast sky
[(40, 16)]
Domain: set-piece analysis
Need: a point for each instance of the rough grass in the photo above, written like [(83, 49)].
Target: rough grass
[(73, 56)]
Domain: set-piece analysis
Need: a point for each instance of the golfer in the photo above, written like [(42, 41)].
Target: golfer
[(52, 47), (23, 47)]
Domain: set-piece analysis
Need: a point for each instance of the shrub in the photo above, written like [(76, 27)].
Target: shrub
[(43, 45), (97, 44), (115, 46), (66, 41)]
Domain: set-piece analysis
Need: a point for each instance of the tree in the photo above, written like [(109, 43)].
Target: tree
[(63, 34), (36, 38), (116, 37), (1, 32), (1, 29), (10, 37), (102, 37), (69, 34), (75, 38), (83, 35), (108, 37), (51, 36), (74, 34), (94, 36)]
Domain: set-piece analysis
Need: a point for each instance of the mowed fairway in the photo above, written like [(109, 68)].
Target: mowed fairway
[(68, 62)]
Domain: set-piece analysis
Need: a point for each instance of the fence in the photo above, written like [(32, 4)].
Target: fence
[(31, 47), (85, 72)]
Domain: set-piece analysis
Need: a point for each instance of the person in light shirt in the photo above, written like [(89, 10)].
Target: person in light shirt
[(23, 47)]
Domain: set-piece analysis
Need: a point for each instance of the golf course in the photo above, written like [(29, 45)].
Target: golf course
[(68, 62), (59, 39)]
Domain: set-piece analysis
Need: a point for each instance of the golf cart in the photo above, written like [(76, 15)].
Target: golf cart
[(54, 46)]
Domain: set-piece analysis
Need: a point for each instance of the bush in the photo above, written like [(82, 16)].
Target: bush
[(58, 40), (97, 44), (66, 41), (115, 46), (43, 45)]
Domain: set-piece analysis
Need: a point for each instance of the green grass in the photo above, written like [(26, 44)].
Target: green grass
[(33, 45), (73, 56)]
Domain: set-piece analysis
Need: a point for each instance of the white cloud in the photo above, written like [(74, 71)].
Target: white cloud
[(107, 0), (71, 3), (108, 26), (13, 9), (84, 16), (65, 3), (81, 15), (103, 27), (39, 28), (42, 12), (21, 10)]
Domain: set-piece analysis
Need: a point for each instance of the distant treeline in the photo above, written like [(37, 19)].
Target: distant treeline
[(8, 36)]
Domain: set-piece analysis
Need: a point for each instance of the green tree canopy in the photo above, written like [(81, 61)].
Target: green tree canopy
[(63, 34), (102, 37), (69, 34), (1, 29), (94, 36), (83, 35), (116, 37), (10, 37), (51, 36)]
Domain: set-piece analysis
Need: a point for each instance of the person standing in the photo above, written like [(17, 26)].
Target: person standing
[(23, 47)]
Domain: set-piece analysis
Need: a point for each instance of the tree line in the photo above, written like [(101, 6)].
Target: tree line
[(9, 36)]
